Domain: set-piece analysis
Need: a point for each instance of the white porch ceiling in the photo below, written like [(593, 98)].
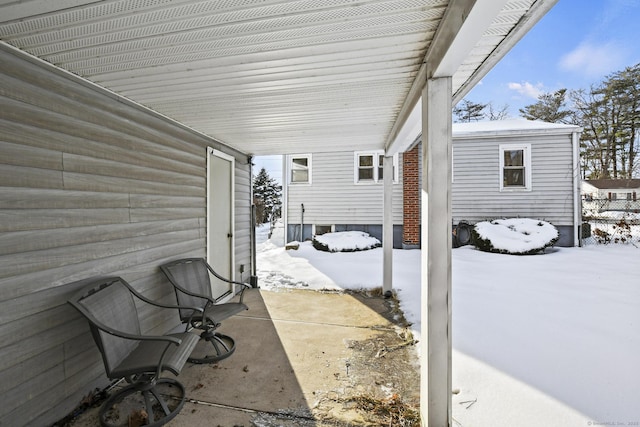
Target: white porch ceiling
[(266, 76)]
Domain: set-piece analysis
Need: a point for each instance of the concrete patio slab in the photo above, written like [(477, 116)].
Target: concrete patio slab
[(304, 358)]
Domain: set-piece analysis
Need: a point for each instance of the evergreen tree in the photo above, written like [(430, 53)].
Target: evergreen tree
[(624, 87), (467, 111), (267, 197), (549, 108), (610, 116)]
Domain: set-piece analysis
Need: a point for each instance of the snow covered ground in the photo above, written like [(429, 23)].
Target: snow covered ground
[(543, 340)]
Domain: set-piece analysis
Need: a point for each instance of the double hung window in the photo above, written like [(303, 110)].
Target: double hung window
[(515, 167), (300, 169), (368, 167)]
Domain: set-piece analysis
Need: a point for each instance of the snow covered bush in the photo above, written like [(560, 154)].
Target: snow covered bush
[(515, 236), (345, 241)]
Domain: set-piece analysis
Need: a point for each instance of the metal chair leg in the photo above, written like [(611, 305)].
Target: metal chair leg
[(223, 346), (153, 400)]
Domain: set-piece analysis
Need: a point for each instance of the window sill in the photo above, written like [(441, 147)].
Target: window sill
[(373, 183), (514, 190)]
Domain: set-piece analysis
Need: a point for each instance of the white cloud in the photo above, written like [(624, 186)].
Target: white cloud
[(527, 89), (594, 60)]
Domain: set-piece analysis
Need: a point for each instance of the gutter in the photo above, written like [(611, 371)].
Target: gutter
[(526, 23), (397, 140)]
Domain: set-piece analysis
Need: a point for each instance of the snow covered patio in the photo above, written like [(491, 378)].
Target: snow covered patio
[(538, 340)]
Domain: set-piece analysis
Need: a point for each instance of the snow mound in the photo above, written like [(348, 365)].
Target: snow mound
[(626, 215), (276, 235), (345, 241), (516, 236)]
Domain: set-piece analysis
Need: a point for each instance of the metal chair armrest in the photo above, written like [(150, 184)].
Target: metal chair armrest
[(245, 286), (126, 335), (163, 305), (207, 316), (232, 282)]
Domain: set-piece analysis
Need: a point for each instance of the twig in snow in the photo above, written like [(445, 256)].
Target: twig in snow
[(470, 402), (383, 351)]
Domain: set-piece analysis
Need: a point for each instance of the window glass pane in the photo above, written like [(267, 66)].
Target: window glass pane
[(366, 167), (300, 176), (301, 162), (300, 169), (365, 174), (366, 161), (514, 157), (513, 177)]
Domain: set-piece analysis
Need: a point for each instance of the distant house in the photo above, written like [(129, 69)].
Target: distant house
[(338, 191), (605, 195), (611, 189), (509, 168)]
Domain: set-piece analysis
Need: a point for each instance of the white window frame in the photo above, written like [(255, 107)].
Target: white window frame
[(526, 148), (290, 159), (376, 167)]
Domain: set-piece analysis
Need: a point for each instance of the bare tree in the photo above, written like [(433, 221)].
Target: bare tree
[(500, 113)]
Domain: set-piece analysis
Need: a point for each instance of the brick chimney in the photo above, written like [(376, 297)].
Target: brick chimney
[(411, 198)]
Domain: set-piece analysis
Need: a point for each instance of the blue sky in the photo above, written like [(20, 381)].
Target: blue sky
[(576, 44), (273, 165)]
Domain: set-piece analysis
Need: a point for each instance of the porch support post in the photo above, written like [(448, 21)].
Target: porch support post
[(387, 227), (435, 378)]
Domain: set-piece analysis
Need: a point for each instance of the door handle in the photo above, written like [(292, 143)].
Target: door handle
[(229, 235)]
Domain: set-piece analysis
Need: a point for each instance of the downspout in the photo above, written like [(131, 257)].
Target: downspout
[(387, 227), (302, 222), (577, 209), (285, 199), (253, 279)]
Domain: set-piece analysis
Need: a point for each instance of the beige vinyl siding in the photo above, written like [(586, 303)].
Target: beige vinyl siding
[(90, 185), (476, 194), (334, 198)]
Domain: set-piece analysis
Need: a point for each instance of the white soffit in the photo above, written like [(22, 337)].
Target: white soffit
[(499, 35), (264, 76)]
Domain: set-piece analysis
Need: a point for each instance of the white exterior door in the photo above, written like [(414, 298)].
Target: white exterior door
[(220, 223)]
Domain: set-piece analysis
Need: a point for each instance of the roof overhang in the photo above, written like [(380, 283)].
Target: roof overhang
[(275, 76), (453, 53), (510, 128)]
